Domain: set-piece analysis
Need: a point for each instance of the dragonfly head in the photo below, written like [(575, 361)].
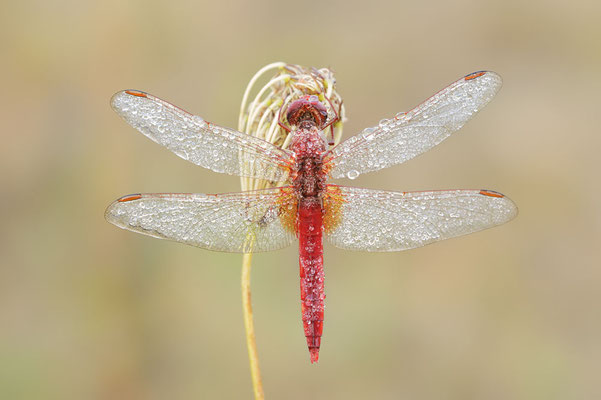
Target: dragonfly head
[(307, 108)]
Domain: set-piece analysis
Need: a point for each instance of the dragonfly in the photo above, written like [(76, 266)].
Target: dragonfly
[(305, 206)]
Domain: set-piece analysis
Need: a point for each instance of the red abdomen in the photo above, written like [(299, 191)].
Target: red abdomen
[(310, 239)]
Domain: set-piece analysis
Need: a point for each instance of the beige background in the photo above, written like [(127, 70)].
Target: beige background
[(88, 311)]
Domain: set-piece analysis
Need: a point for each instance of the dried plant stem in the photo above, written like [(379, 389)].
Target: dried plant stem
[(253, 358)]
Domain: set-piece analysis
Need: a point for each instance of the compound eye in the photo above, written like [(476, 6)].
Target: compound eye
[(294, 110), (307, 104), (320, 112)]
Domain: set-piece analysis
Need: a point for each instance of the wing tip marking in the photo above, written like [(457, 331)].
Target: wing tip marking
[(491, 193), (117, 100), (129, 197), (474, 75), (510, 209), (136, 93)]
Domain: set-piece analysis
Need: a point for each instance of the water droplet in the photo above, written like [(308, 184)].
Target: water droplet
[(367, 133), (352, 174)]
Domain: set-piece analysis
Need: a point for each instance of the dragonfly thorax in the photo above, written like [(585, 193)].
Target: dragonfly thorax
[(308, 142), (309, 181), (308, 146)]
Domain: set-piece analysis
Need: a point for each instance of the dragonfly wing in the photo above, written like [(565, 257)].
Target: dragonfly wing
[(210, 146), (235, 222), (409, 134), (374, 220)]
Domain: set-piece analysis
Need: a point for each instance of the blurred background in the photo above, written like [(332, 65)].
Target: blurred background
[(89, 311)]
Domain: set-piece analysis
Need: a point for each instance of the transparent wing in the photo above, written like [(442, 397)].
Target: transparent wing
[(409, 134), (210, 146), (374, 220), (237, 222)]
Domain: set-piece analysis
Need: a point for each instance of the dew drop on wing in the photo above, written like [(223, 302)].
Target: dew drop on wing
[(368, 133), (352, 174)]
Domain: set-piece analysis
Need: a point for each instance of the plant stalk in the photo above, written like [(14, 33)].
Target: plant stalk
[(251, 344)]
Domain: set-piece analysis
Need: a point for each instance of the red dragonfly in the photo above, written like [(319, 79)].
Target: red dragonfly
[(306, 206)]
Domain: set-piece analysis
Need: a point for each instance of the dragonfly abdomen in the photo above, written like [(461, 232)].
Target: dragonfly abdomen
[(310, 238)]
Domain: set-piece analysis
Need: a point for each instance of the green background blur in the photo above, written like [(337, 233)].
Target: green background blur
[(89, 311)]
